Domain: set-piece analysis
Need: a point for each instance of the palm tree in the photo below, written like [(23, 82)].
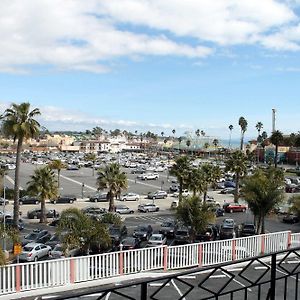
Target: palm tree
[(237, 163), (264, 137), (243, 124), (78, 230), (230, 130), (195, 215), (216, 143), (259, 126), (162, 134), (262, 192), (179, 142), (173, 131), (181, 170), (18, 122), (211, 175), (58, 165), (196, 181), (2, 174), (206, 147), (43, 185), (276, 138), (188, 144), (92, 157), (202, 132), (114, 180)]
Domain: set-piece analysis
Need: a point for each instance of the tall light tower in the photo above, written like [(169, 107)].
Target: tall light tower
[(273, 119)]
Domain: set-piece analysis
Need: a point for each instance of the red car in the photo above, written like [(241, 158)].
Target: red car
[(234, 207)]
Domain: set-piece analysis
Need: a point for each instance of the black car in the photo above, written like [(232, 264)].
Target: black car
[(99, 197), (116, 233), (36, 213), (28, 200), (53, 241), (143, 232), (168, 228), (63, 199), (9, 222), (182, 234), (290, 218), (43, 239), (130, 243), (33, 236), (211, 233), (247, 229), (227, 232)]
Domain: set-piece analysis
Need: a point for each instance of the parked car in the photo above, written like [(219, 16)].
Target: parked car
[(130, 197), (72, 168), (123, 209), (34, 251), (28, 200), (130, 243), (99, 197), (9, 222), (149, 207), (143, 232), (157, 195), (219, 212), (234, 207), (211, 233), (174, 187), (33, 236), (116, 233), (292, 188), (63, 199), (185, 193), (247, 229), (157, 239), (36, 213), (94, 211), (182, 234), (229, 190), (43, 239), (290, 218), (2, 201), (227, 232), (229, 184), (58, 252), (228, 223), (168, 228), (53, 241)]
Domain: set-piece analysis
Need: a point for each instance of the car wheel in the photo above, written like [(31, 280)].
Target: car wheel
[(20, 202), (54, 202), (36, 202), (243, 210), (36, 258), (131, 212), (71, 201), (231, 211), (147, 210), (124, 199), (136, 199), (35, 217), (153, 197)]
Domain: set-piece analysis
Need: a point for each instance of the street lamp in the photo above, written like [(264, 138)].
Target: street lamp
[(82, 187)]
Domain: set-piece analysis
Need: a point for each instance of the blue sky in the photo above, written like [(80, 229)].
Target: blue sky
[(147, 65)]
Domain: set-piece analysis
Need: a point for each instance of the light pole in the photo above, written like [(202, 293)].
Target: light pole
[(4, 217), (82, 187)]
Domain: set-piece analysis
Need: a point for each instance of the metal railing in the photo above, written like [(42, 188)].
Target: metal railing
[(47, 274)]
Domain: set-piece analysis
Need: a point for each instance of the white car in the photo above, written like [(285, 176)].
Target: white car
[(123, 209), (58, 252), (34, 251), (185, 193), (130, 197), (148, 207), (149, 176), (157, 239)]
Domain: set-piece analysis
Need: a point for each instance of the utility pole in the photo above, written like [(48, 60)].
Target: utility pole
[(4, 216)]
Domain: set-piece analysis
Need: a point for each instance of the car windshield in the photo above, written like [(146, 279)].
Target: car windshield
[(27, 249), (155, 238), (58, 248), (128, 241), (248, 226), (141, 229), (181, 232)]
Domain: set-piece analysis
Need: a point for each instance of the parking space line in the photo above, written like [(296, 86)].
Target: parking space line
[(217, 276), (236, 281), (158, 284), (143, 183), (177, 289), (187, 277), (79, 183)]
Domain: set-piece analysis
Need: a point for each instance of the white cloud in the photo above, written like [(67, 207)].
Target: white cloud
[(88, 35)]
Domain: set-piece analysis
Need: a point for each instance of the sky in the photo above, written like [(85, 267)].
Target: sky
[(153, 65)]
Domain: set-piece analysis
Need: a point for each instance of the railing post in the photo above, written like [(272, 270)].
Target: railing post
[(262, 247), (233, 250), (273, 277), (72, 270), (165, 258), (144, 291), (121, 263), (200, 252), (18, 278), (289, 240)]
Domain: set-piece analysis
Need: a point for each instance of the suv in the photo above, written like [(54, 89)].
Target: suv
[(99, 197), (143, 232), (63, 199), (157, 195), (123, 209), (149, 176), (36, 213), (168, 228), (234, 207), (28, 200), (182, 234), (148, 207), (247, 229)]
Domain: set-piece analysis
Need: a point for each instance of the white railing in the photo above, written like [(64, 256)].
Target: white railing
[(46, 274)]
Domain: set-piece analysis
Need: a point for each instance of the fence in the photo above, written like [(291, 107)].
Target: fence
[(45, 274)]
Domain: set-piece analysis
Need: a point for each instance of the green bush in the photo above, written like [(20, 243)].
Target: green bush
[(9, 194)]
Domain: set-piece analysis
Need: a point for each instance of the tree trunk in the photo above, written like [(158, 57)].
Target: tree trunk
[(43, 218), (17, 182), (262, 219), (58, 180), (180, 190), (204, 195), (111, 201), (276, 155), (93, 169), (242, 142), (236, 191)]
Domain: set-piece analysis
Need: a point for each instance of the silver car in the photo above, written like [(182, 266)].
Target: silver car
[(34, 251), (130, 197), (148, 207), (123, 209)]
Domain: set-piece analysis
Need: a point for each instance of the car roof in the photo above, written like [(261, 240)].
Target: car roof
[(32, 244)]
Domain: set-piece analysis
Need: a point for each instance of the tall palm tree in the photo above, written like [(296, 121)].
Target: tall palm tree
[(196, 181), (276, 138), (173, 131), (211, 175), (230, 127), (181, 170), (264, 137), (58, 165), (202, 132), (179, 142), (259, 126), (162, 134), (262, 192), (92, 157), (243, 124), (237, 163), (188, 144), (19, 123), (216, 143), (43, 185), (206, 147), (112, 178)]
